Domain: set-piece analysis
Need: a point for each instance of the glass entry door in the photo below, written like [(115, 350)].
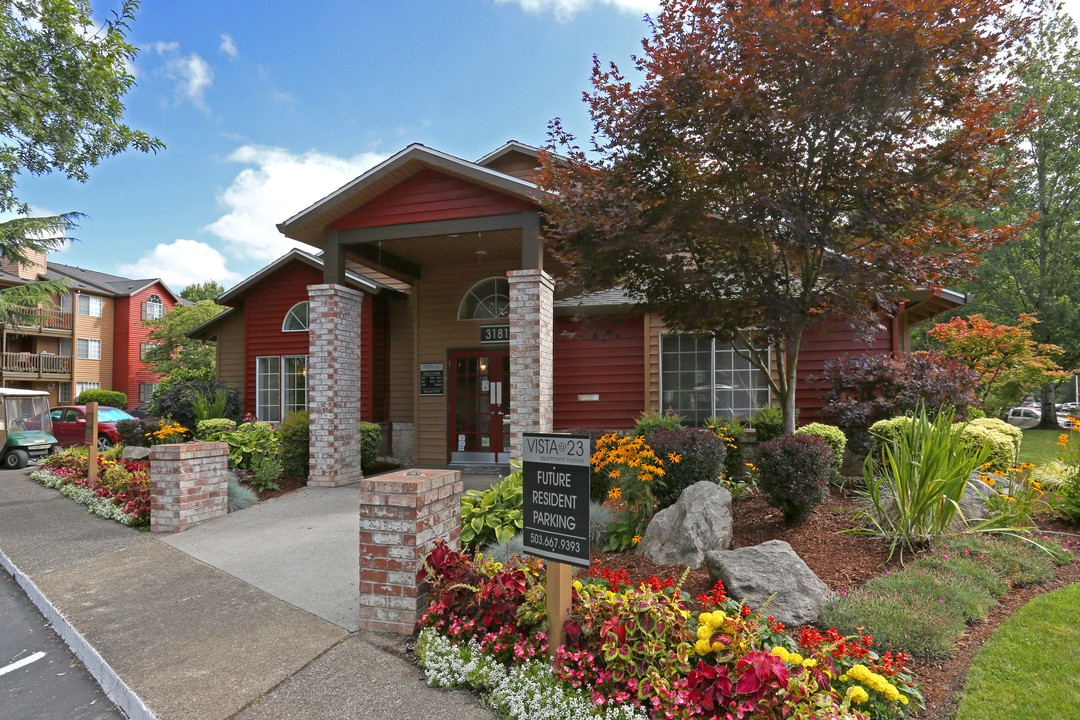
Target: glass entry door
[(479, 429)]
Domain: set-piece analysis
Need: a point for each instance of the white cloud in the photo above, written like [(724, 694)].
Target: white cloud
[(181, 263), (277, 185), (193, 77), (228, 46), (566, 9)]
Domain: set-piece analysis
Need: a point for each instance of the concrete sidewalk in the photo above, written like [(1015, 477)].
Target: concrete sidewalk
[(169, 636)]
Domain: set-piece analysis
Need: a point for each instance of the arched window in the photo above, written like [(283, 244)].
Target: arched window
[(296, 320), (153, 308), (485, 300)]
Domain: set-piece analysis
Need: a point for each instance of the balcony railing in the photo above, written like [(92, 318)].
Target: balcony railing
[(42, 365), (43, 319)]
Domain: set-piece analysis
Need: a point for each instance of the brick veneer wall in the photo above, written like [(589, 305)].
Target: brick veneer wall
[(334, 384), (532, 365), (188, 484), (402, 514)]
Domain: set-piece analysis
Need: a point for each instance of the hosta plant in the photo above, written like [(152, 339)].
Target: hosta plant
[(493, 515)]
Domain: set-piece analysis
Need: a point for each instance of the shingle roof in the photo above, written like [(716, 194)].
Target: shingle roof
[(601, 298), (99, 282)]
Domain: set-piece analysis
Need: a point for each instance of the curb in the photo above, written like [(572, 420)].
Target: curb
[(115, 688)]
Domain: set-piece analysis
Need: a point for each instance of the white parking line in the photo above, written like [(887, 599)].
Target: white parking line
[(21, 663)]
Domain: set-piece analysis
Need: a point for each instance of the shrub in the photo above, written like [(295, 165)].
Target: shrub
[(866, 388), (370, 440), (240, 497), (1015, 433), (701, 457), (832, 435), (794, 473), (209, 406), (265, 469), (652, 421), (295, 433), (768, 422), (888, 431), (146, 432), (250, 439), (734, 433), (999, 448), (177, 402), (109, 398), (214, 429), (493, 515)]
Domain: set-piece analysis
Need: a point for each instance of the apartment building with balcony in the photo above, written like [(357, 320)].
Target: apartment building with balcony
[(94, 339)]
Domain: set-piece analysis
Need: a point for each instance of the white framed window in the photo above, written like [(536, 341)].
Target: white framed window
[(80, 386), (145, 391), (700, 378), (144, 348), (153, 308), (87, 349), (296, 320), (486, 300), (63, 393), (65, 347), (89, 305), (280, 386)]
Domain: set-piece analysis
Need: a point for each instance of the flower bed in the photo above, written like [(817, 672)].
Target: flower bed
[(120, 492), (645, 650)]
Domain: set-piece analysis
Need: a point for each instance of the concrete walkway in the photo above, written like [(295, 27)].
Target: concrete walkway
[(207, 632)]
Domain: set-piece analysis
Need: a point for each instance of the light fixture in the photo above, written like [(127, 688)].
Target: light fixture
[(483, 365)]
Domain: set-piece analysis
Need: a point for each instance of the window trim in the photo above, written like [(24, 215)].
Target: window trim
[(291, 314), (712, 369), (89, 344), (156, 300), (471, 293), (89, 305)]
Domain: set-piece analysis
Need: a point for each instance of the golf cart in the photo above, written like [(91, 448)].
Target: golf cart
[(25, 426)]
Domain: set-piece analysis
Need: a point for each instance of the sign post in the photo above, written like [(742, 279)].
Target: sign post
[(555, 505), (91, 441)]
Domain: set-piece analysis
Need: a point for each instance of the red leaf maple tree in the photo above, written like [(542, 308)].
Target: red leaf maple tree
[(773, 163)]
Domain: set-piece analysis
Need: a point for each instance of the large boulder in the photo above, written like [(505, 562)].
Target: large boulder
[(755, 573), (699, 521), (134, 452)]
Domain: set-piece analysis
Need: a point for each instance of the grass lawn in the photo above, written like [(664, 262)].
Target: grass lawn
[(1029, 669), (1039, 446)]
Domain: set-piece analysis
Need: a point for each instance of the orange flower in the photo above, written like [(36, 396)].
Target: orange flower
[(637, 539)]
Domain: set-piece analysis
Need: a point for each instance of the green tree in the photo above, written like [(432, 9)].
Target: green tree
[(175, 356), (202, 291), (780, 163), (62, 81), (1039, 273)]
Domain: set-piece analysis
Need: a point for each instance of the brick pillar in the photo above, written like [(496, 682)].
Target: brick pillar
[(334, 384), (531, 359), (401, 516), (188, 484)]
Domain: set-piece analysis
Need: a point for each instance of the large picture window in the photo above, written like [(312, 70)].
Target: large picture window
[(280, 386), (700, 378)]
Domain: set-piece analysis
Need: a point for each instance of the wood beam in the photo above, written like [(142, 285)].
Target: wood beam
[(382, 260)]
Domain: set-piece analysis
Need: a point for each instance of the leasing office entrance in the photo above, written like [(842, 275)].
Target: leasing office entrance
[(479, 406)]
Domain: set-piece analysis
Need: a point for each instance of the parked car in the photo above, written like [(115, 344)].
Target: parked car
[(26, 431), (141, 412), (1070, 407), (1023, 417), (69, 425)]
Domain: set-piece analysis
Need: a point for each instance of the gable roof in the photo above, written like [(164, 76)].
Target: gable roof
[(510, 146), (102, 283), (307, 225), (355, 279)]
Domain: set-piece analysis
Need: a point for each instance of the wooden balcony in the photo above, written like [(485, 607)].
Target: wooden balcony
[(43, 320), (36, 366)]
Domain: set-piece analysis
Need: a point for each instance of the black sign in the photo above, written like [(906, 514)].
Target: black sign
[(494, 334), (431, 379), (555, 473)]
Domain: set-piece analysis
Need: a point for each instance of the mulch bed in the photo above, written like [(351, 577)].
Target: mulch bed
[(291, 483), (845, 561)]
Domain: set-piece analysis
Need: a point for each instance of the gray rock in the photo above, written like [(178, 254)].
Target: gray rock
[(699, 521), (755, 573), (134, 452), (974, 504)]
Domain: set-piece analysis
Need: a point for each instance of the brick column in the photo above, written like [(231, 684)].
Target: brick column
[(531, 359), (334, 384), (188, 484), (401, 516)]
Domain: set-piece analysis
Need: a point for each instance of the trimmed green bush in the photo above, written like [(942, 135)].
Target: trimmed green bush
[(370, 439), (295, 435), (794, 473), (1001, 448), (652, 421), (1003, 427), (108, 398), (214, 429), (769, 422), (891, 430), (832, 435), (701, 457)]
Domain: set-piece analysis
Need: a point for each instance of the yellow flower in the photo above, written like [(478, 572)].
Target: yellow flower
[(577, 585), (636, 539), (809, 663), (614, 493), (903, 700), (702, 647), (779, 652), (795, 659), (614, 474), (857, 695), (674, 457), (704, 632)]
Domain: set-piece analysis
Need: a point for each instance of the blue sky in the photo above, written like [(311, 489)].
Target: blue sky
[(266, 107)]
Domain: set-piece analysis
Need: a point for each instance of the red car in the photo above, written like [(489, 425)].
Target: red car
[(69, 425)]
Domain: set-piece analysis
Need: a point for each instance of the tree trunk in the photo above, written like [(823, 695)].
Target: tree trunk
[(1049, 419)]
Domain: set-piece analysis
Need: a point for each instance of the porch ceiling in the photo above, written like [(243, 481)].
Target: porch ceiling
[(451, 249)]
